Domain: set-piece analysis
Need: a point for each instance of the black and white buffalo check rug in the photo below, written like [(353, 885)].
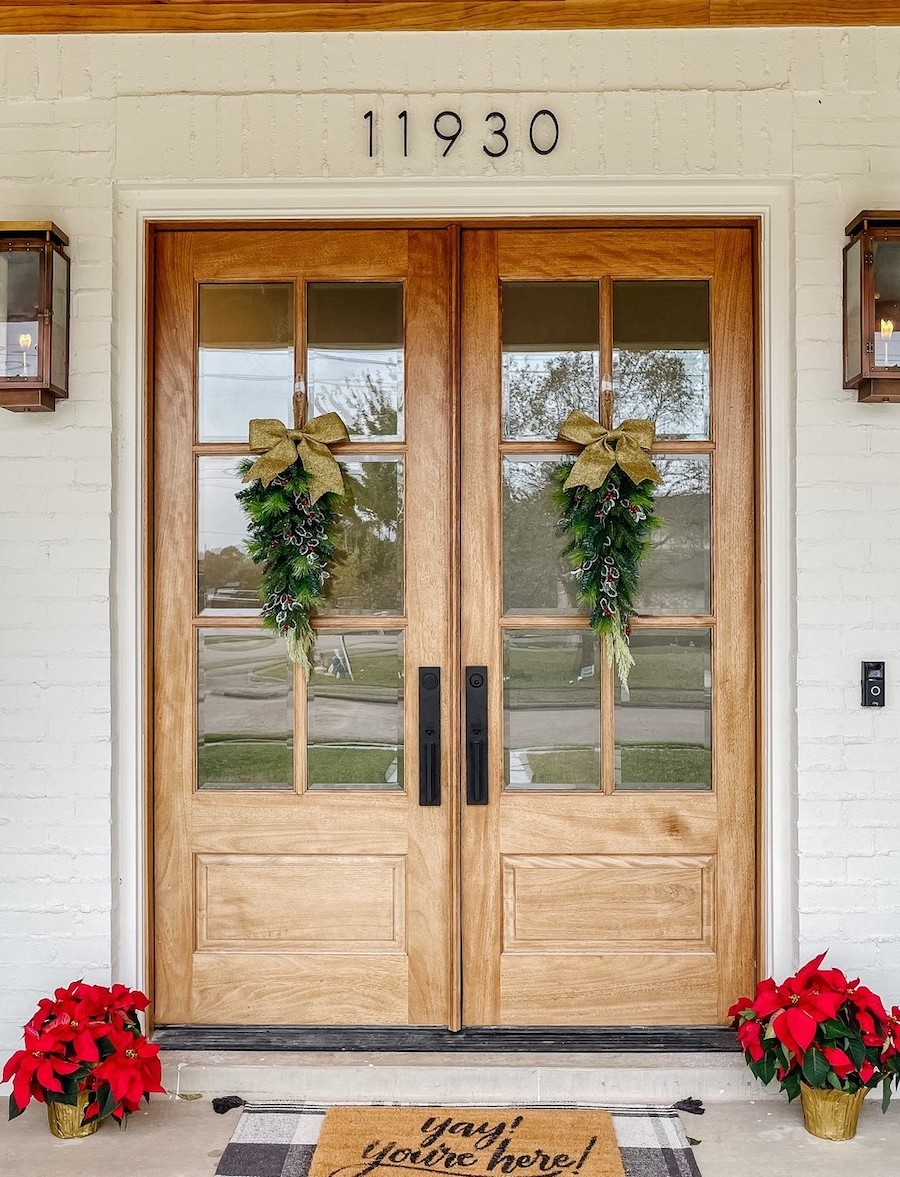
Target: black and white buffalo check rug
[(276, 1139)]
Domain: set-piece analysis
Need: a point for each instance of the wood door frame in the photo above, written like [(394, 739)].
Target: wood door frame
[(764, 206), (453, 798)]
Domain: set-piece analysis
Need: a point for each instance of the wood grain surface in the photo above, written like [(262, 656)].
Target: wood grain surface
[(640, 904), (542, 907), (317, 907), (218, 16)]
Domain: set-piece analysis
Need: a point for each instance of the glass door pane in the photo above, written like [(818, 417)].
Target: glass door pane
[(246, 357), (355, 356), (551, 339)]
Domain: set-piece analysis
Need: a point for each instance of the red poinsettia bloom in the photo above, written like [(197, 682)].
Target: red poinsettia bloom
[(132, 1071), (77, 1024), (842, 1063), (750, 1038), (868, 1007), (806, 1000), (122, 1003), (768, 998), (37, 1068), (739, 1006), (47, 1009)]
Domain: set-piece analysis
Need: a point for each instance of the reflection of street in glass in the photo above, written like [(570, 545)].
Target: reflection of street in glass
[(245, 711), (552, 712), (356, 711)]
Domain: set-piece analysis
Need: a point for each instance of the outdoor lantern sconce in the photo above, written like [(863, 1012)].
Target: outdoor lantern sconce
[(872, 306), (34, 316)]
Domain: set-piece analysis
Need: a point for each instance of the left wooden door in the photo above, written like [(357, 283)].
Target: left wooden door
[(297, 877)]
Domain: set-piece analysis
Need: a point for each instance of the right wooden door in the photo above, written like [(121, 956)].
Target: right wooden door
[(610, 877)]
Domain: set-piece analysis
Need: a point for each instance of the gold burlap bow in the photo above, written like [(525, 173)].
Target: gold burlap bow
[(280, 447), (628, 447)]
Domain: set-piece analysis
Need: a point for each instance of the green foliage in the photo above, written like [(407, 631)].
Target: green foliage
[(764, 1070), (816, 1068), (293, 539), (608, 532)]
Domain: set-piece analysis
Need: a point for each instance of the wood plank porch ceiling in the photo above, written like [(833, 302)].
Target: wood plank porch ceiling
[(214, 16)]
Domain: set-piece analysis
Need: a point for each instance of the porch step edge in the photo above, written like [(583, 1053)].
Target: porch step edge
[(492, 1079)]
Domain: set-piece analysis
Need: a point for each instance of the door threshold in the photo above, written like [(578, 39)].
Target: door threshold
[(463, 1078), (414, 1039)]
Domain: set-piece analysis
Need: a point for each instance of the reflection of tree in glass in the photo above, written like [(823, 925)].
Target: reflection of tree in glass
[(370, 398), (675, 578), (538, 396), (228, 578), (366, 577), (669, 387), (536, 577)]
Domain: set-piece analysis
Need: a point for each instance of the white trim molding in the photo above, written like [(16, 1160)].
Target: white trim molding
[(368, 199)]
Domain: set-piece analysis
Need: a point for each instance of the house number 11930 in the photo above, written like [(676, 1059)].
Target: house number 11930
[(543, 132)]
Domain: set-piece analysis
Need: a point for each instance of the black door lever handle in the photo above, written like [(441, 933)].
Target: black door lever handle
[(476, 735), (429, 735)]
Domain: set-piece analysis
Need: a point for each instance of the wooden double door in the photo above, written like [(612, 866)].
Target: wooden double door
[(461, 819)]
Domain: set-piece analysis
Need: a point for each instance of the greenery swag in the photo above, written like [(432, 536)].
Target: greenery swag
[(606, 503), (290, 505)]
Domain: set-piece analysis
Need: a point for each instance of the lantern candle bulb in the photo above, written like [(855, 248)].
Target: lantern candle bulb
[(887, 330), (25, 344)]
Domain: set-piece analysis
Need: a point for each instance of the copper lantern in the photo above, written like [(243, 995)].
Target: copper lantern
[(872, 306), (34, 316)]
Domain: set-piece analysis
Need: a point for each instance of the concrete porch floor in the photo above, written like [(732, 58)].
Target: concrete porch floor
[(176, 1138)]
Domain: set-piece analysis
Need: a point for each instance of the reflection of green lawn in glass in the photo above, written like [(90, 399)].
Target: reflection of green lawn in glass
[(545, 666), (371, 668), (657, 668), (650, 764), (669, 673), (256, 763), (359, 767), (376, 669), (224, 760)]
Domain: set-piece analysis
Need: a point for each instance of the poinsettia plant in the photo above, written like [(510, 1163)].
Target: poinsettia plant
[(86, 1039), (820, 1029)]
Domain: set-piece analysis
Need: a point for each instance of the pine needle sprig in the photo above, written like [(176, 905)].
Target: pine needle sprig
[(293, 539), (609, 536)]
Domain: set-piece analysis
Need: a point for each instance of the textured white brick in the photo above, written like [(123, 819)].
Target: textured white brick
[(84, 113)]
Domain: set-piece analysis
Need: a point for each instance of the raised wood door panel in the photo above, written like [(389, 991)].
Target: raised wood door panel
[(621, 889), (288, 887)]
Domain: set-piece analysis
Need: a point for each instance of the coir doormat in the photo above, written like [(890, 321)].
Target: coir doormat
[(275, 1139), (459, 1142)]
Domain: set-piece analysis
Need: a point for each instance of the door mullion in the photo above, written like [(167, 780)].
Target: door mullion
[(606, 674), (605, 670), (605, 414)]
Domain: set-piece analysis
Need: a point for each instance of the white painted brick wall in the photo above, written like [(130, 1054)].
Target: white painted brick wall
[(79, 114)]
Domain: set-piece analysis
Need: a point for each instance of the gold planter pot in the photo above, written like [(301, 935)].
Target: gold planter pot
[(66, 1120), (832, 1115)]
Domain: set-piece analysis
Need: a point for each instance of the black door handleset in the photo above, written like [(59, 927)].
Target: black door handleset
[(430, 735)]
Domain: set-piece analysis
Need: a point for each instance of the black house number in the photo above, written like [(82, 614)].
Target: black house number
[(448, 128)]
